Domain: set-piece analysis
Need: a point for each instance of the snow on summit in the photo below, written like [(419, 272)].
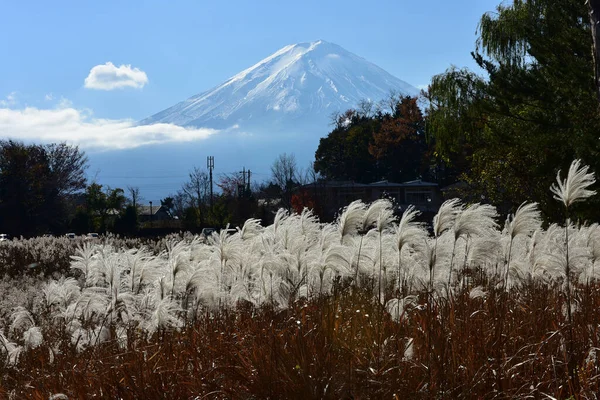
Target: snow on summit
[(300, 83)]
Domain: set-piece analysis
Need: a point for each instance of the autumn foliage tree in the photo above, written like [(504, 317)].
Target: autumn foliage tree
[(302, 199), (399, 144), (366, 146)]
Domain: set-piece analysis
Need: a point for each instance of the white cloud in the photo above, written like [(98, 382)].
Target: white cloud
[(64, 103), (49, 97), (109, 77), (80, 127), (9, 100)]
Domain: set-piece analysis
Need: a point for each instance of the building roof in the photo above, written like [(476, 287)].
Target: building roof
[(337, 184), (385, 183), (378, 184), (418, 183), (145, 210)]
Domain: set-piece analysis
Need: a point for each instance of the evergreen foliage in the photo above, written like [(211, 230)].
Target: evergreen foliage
[(367, 146), (534, 109), (38, 184)]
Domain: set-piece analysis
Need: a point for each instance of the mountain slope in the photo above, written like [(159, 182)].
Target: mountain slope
[(301, 83)]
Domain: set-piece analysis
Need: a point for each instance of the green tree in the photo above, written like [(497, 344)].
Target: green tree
[(344, 153), (37, 185), (68, 165), (221, 213), (96, 206), (82, 221), (127, 222), (105, 206), (399, 145), (533, 111), (367, 146)]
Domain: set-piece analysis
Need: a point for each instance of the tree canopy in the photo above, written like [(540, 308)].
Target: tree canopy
[(533, 111), (37, 184), (366, 147)]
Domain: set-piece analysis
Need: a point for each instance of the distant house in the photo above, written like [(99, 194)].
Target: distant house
[(423, 195), (153, 213), (333, 195)]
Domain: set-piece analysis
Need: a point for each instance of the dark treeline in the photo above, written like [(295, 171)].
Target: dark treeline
[(38, 186), (377, 141), (43, 190)]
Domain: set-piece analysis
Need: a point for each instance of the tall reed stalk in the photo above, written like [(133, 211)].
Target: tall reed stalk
[(573, 189)]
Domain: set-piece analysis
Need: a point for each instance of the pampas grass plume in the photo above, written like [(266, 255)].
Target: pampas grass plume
[(446, 216), (526, 220), (477, 219), (351, 217), (408, 231), (575, 187)]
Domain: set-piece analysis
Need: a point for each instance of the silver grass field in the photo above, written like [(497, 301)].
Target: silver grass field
[(403, 308)]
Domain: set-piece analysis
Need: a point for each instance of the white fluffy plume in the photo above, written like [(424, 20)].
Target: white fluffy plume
[(575, 187), (350, 219), (475, 220), (446, 216), (408, 231), (525, 221)]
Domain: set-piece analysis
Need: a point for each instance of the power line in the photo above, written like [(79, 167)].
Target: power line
[(143, 177)]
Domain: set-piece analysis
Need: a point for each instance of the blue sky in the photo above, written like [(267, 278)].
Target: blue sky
[(85, 72), (186, 47)]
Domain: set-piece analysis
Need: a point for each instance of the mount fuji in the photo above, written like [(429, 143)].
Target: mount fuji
[(303, 82), (281, 104)]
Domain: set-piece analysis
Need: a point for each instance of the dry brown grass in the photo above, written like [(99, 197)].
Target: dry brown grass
[(343, 345)]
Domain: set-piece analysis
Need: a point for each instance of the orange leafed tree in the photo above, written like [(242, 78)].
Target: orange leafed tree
[(302, 199), (400, 143), (397, 129)]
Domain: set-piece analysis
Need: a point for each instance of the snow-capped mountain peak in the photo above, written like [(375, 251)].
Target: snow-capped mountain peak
[(304, 81)]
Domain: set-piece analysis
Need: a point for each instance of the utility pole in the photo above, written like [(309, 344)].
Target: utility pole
[(210, 164), (248, 184), (242, 187)]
